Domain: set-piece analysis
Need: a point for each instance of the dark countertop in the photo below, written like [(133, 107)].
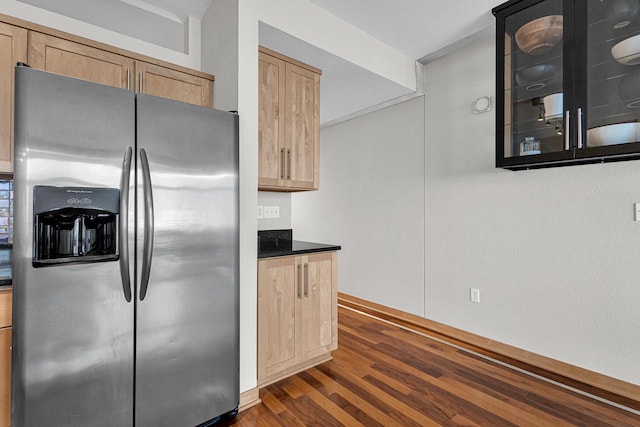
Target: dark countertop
[(297, 248), (275, 243)]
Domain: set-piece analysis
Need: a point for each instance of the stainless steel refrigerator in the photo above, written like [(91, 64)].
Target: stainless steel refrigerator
[(125, 257)]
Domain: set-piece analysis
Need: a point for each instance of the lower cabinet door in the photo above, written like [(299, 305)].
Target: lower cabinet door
[(5, 377), (277, 312), (318, 307)]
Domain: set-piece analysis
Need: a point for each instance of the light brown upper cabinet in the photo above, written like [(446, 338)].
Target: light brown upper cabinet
[(288, 123), (85, 62), (77, 60), (13, 49), (62, 53), (172, 84)]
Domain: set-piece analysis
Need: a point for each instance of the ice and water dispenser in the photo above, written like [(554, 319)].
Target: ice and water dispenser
[(75, 224)]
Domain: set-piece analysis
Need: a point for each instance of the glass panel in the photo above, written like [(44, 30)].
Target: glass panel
[(6, 212), (613, 72), (533, 80)]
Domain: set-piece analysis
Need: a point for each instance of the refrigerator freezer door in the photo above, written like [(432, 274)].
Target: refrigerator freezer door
[(187, 322), (73, 328)]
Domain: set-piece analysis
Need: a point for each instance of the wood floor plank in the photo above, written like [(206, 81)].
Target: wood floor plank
[(273, 403), (344, 392), (360, 364), (357, 413), (476, 371), (384, 375), (323, 401), (401, 380), (398, 410)]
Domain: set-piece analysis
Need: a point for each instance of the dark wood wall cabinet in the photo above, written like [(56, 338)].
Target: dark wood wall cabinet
[(567, 82)]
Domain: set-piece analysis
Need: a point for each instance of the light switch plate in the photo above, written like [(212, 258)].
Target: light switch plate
[(271, 212)]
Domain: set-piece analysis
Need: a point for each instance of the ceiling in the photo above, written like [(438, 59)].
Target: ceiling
[(416, 28), (420, 29)]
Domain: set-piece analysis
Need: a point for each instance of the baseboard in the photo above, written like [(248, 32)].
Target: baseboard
[(612, 389), (249, 398), (274, 378)]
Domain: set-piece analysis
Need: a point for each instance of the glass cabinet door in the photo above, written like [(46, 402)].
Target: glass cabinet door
[(610, 105), (535, 101)]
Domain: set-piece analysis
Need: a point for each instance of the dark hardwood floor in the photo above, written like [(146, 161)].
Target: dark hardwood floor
[(382, 375)]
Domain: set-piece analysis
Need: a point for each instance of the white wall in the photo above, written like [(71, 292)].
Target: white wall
[(371, 201), (306, 21), (222, 43), (60, 22), (220, 51), (283, 201), (554, 252), (167, 31)]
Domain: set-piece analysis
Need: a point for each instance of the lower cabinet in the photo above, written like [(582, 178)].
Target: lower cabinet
[(5, 377), (5, 357), (297, 314)]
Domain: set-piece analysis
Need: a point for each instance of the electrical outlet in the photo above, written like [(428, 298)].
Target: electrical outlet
[(637, 211), (475, 295), (260, 212), (272, 212)]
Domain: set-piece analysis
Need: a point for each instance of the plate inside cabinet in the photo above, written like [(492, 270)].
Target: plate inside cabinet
[(535, 74), (621, 133), (627, 52)]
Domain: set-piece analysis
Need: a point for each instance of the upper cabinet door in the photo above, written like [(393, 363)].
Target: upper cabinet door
[(302, 123), (288, 123), (534, 60), (72, 59), (172, 84), (608, 77), (13, 49), (271, 101)]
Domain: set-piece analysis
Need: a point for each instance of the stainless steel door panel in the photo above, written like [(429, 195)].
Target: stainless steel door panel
[(72, 327), (187, 324)]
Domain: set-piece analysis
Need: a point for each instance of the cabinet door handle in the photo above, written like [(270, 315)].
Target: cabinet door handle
[(306, 280), (128, 79), (282, 166), (299, 280), (580, 128), (567, 117), (289, 164)]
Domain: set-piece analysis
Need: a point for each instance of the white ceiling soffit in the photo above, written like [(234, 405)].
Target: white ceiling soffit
[(180, 9), (161, 28), (346, 89), (416, 28)]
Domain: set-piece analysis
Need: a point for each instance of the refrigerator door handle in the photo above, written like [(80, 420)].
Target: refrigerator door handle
[(124, 224), (148, 224)]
